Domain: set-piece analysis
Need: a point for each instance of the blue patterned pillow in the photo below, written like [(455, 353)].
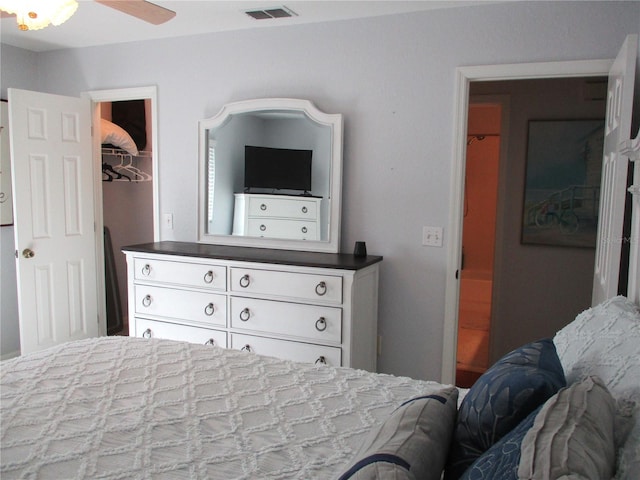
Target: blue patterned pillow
[(501, 461), (502, 397)]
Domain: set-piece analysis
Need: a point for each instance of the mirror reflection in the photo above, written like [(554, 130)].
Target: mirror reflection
[(269, 173)]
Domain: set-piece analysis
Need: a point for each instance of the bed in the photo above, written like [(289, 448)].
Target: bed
[(120, 407)]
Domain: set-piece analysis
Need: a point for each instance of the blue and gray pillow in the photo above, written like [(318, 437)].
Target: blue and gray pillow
[(503, 396), (412, 442)]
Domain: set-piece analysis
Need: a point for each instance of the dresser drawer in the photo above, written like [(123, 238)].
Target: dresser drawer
[(283, 207), (172, 331), (198, 275), (280, 228), (203, 307), (309, 322), (297, 352), (301, 286)]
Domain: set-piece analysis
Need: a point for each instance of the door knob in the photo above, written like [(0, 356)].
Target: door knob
[(28, 253)]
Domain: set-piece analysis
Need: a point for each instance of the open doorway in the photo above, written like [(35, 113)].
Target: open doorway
[(478, 239), (128, 187), (127, 196), (467, 78), (530, 290)]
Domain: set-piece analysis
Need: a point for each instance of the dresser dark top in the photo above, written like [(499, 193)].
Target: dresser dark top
[(343, 261)]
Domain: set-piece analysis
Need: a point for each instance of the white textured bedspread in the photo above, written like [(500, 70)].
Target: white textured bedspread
[(130, 408)]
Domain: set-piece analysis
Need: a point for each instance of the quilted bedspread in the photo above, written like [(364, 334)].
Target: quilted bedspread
[(131, 408)]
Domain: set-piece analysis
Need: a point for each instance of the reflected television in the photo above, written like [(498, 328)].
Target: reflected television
[(277, 168)]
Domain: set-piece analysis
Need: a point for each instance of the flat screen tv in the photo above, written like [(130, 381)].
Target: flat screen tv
[(277, 168)]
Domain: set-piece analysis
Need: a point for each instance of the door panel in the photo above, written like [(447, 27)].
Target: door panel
[(53, 184), (614, 172)]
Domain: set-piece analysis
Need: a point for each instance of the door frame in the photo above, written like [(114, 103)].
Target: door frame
[(464, 76), (115, 95)]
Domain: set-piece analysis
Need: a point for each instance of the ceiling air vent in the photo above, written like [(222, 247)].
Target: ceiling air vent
[(279, 12)]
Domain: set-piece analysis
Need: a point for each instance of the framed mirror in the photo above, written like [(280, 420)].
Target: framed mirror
[(271, 176)]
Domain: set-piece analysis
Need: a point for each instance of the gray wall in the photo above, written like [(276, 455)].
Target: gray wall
[(393, 80), (18, 68)]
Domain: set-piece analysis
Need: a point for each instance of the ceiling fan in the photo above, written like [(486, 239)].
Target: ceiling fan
[(142, 9)]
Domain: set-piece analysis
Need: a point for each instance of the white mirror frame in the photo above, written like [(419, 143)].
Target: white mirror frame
[(333, 121)]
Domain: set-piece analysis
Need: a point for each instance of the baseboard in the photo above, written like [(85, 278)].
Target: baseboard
[(9, 355)]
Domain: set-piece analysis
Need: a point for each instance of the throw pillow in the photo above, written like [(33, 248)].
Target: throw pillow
[(501, 398), (412, 443), (113, 134), (572, 435), (604, 341), (501, 461)]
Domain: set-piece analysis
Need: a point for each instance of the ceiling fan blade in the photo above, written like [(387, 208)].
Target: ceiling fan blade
[(147, 11)]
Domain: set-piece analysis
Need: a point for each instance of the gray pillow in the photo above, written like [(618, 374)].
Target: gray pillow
[(412, 443), (572, 435)]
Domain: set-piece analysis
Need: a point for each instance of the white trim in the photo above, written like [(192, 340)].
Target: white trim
[(631, 150), (7, 356), (464, 76)]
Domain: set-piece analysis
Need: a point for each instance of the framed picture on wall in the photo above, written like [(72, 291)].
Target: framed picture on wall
[(6, 202), (562, 184)]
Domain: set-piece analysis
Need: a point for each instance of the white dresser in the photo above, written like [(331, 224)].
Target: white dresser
[(277, 216), (303, 306)]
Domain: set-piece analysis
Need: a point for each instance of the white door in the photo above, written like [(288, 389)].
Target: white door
[(53, 183), (614, 172)]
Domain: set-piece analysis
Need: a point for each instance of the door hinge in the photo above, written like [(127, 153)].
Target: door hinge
[(16, 253)]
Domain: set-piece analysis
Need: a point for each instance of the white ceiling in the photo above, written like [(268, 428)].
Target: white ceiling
[(95, 24)]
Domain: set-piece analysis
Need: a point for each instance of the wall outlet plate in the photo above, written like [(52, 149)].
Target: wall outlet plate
[(432, 236)]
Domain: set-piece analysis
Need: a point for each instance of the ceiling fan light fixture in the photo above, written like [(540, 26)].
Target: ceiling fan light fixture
[(38, 14)]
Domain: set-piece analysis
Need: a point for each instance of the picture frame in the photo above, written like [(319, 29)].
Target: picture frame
[(562, 182), (6, 200)]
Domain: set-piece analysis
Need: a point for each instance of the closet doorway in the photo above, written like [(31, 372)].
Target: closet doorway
[(128, 187)]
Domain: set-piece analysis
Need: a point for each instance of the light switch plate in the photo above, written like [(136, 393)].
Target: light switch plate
[(432, 236), (168, 221)]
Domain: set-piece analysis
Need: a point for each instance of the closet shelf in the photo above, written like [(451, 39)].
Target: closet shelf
[(118, 152)]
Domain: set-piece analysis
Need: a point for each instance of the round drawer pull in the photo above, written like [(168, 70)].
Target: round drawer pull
[(305, 209), (211, 341), (146, 333), (321, 288), (208, 277), (146, 270), (304, 229), (209, 309), (246, 348), (263, 207), (245, 315), (321, 360), (321, 324), (245, 281), (263, 227), (146, 301)]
